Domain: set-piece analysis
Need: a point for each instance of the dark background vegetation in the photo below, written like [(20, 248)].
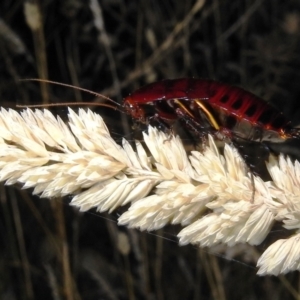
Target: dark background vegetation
[(51, 251)]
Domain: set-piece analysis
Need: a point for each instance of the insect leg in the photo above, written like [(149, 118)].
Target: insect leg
[(254, 154), (194, 125), (196, 120), (165, 125), (208, 114)]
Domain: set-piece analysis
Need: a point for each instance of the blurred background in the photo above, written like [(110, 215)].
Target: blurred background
[(51, 251)]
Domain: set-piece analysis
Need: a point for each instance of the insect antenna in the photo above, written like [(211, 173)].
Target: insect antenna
[(72, 103), (67, 104)]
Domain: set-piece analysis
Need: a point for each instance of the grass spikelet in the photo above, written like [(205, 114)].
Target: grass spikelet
[(209, 194)]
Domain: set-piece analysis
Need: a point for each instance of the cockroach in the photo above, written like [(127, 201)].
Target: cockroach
[(205, 107), (226, 110)]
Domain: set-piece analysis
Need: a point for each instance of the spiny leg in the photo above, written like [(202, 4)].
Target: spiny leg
[(194, 126), (254, 154)]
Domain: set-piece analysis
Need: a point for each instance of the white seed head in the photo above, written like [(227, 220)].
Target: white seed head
[(209, 194)]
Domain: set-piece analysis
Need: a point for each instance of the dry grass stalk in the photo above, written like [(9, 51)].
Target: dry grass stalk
[(56, 159)]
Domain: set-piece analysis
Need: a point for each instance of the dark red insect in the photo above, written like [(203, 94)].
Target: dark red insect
[(211, 107)]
